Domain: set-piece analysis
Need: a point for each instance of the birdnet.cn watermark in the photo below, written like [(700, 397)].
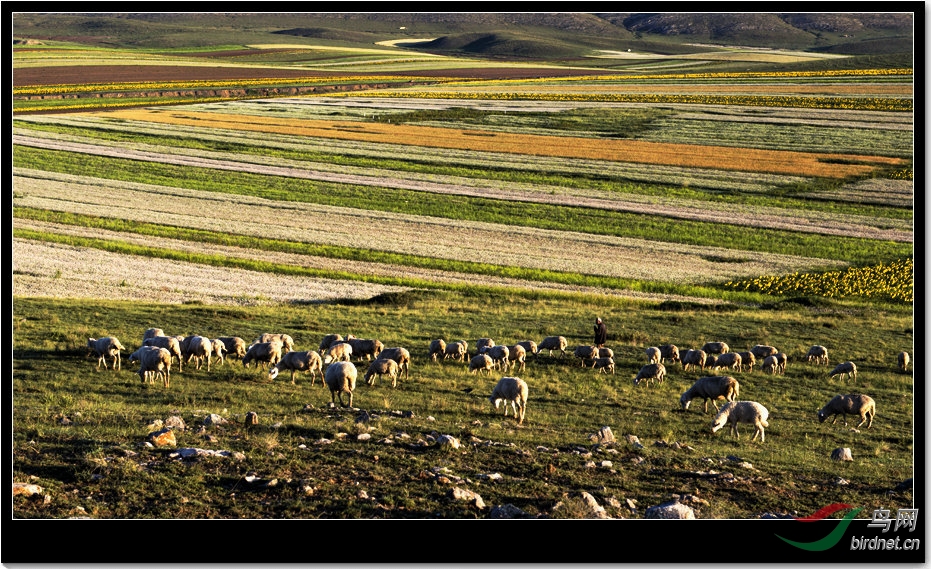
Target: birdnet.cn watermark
[(905, 519)]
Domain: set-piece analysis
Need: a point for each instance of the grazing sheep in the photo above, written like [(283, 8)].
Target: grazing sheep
[(170, 343), (711, 361), (711, 388), (340, 377), (517, 355), (338, 352), (781, 360), (848, 369), (197, 348), (747, 361), (500, 355), (483, 343), (511, 390), (154, 362), (106, 347), (400, 356), (235, 346), (818, 354), (328, 341), (605, 353), (852, 404), (553, 343), (734, 412), (651, 373), (151, 333), (305, 361), (266, 353), (481, 362), (729, 360), (761, 351), (219, 350), (654, 356), (692, 358), (287, 343), (530, 347), (668, 352), (604, 365), (365, 348), (771, 365), (716, 348), (456, 350), (903, 360), (437, 349), (383, 366), (585, 353)]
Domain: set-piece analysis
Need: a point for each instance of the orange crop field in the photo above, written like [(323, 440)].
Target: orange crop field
[(684, 155)]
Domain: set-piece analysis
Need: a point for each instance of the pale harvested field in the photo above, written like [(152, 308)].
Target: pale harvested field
[(409, 234)]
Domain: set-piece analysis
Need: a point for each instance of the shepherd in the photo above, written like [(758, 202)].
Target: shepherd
[(601, 333)]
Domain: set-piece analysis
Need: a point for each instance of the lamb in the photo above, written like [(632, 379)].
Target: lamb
[(651, 373), (287, 342), (481, 362), (530, 347), (654, 356), (456, 350), (692, 358), (106, 347), (818, 354), (305, 361), (151, 333), (235, 346), (499, 355), (338, 352), (511, 390), (716, 348), (340, 377), (747, 361), (383, 366), (770, 365), (903, 360), (328, 341), (264, 352), (400, 356), (437, 349), (154, 362), (219, 350), (197, 348), (368, 349), (711, 388), (852, 404), (846, 369), (734, 412), (585, 353), (517, 355), (604, 365), (669, 352), (729, 360), (170, 343), (761, 351), (551, 343), (781, 360)]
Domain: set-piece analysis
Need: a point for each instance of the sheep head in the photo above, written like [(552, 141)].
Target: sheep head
[(273, 373)]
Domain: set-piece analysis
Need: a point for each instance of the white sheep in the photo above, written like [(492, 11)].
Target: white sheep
[(852, 404), (266, 353), (151, 333), (483, 343), (517, 355), (903, 360), (400, 356), (383, 366), (585, 353), (729, 360), (219, 350), (734, 412), (747, 361), (847, 369), (340, 377), (551, 343), (287, 342), (338, 352), (715, 348), (654, 355), (818, 354), (104, 348), (154, 362), (437, 349), (171, 344), (770, 365), (604, 365), (605, 353), (500, 355), (364, 348), (457, 351), (304, 361), (235, 346), (530, 347), (511, 390), (711, 388), (481, 363), (762, 351), (781, 360), (651, 373), (328, 341), (669, 352), (197, 348), (693, 358)]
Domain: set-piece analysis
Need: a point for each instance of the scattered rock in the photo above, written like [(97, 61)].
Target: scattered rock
[(25, 489), (175, 422), (604, 435), (507, 512), (363, 437), (842, 454), (164, 437), (670, 511), (448, 441), (468, 496), (214, 419)]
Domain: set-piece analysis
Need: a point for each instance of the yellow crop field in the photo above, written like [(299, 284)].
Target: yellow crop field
[(685, 155)]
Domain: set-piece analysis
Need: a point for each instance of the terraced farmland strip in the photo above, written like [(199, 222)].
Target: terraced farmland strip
[(726, 158)]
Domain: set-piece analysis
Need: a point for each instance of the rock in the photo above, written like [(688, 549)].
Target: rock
[(507, 512), (670, 511), (363, 437), (175, 422), (214, 419), (164, 437), (448, 441), (842, 454), (24, 489), (604, 435), (468, 496), (597, 511)]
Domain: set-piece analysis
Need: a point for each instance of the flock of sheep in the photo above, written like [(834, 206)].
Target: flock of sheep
[(333, 361)]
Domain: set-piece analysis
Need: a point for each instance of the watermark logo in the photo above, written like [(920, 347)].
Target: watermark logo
[(831, 539)]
